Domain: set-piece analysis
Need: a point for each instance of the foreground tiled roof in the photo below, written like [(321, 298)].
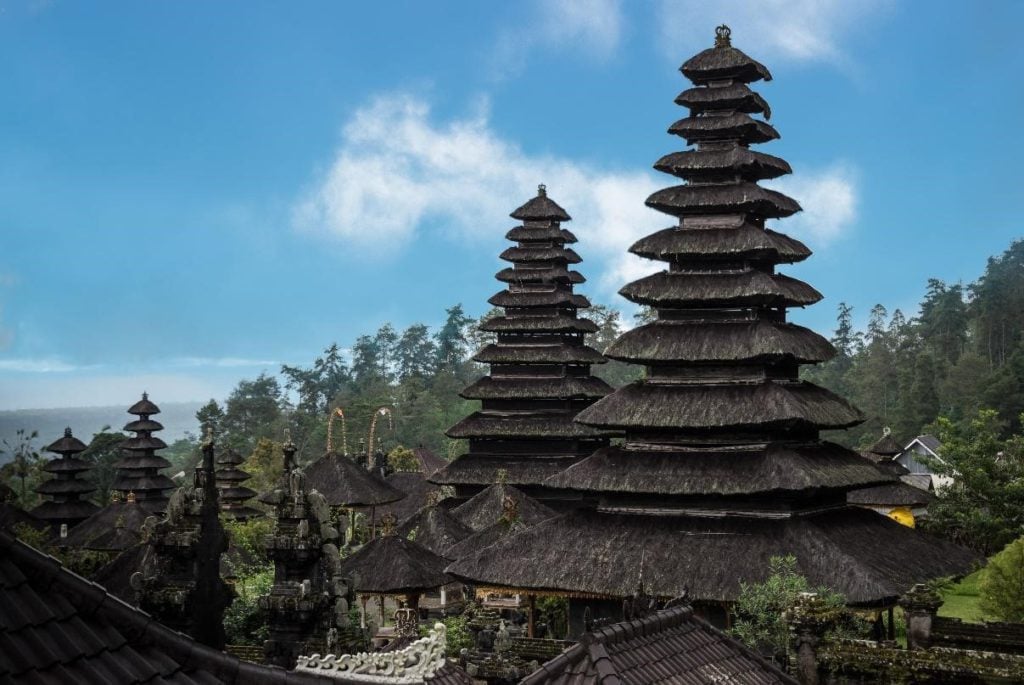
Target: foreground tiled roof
[(670, 646)]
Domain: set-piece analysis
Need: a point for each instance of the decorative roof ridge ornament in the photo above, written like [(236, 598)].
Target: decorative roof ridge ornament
[(420, 660), (723, 36), (542, 190)]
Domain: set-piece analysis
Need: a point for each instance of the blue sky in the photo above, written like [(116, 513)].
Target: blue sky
[(191, 193)]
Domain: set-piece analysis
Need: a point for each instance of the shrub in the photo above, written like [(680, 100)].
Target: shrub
[(1002, 584)]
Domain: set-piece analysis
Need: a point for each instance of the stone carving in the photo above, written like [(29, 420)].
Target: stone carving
[(420, 660)]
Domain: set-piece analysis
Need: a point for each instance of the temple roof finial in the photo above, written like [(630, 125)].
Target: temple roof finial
[(722, 36), (145, 395), (67, 432), (542, 190)]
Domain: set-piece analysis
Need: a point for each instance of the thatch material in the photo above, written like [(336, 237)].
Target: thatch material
[(772, 471), (550, 425), (70, 512), (516, 387), (143, 424), (868, 558), (393, 565), (129, 516), (435, 529), (417, 490), (743, 289), (12, 515), (483, 469), (675, 342), (346, 484), (727, 198), (486, 507), (66, 444), (737, 126), (670, 646), (528, 298), (538, 324), (746, 242), (736, 96), (551, 275), (700, 164), (782, 406), (482, 539), (541, 208), (65, 489), (547, 232), (723, 63), (116, 575), (892, 495), (537, 253), (538, 354), (138, 470), (886, 446), (429, 462)]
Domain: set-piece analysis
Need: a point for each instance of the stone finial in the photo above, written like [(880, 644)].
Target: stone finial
[(387, 524), (501, 476), (509, 509), (433, 498), (723, 36), (67, 432), (542, 190)]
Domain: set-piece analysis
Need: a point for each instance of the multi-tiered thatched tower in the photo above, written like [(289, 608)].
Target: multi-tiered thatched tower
[(722, 466), (67, 487), (539, 366), (138, 472)]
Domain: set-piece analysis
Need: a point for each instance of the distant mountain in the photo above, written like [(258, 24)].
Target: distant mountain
[(177, 418)]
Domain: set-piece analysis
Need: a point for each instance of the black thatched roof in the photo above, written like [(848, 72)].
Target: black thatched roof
[(522, 387), (693, 165), (541, 208), (66, 444), (12, 515), (886, 446), (483, 469), (769, 470), (724, 63), (560, 323), (867, 557), (392, 565), (486, 507), (345, 483), (541, 232), (671, 342), (542, 353), (557, 274), (736, 96), (429, 462), (892, 495), (137, 471), (745, 241), (144, 408), (735, 126), (416, 488), (744, 197), (57, 627), (116, 575), (669, 646), (65, 489), (529, 298), (482, 539), (739, 289), (538, 253), (785, 406), (541, 425), (435, 529), (70, 512), (129, 515)]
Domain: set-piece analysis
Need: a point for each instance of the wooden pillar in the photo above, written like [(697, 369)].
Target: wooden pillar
[(414, 601), (532, 604), (362, 616)]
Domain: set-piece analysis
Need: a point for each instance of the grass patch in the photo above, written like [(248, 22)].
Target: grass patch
[(961, 600)]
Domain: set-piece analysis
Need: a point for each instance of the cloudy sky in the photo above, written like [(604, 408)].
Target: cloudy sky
[(191, 193)]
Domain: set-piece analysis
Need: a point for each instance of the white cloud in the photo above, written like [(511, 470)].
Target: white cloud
[(829, 201), (797, 30), (36, 366), (398, 173), (591, 27), (56, 390), (221, 362)]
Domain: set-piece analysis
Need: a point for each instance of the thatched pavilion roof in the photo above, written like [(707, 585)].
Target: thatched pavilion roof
[(66, 489), (345, 483), (138, 471), (434, 528), (486, 507), (393, 565), (114, 527)]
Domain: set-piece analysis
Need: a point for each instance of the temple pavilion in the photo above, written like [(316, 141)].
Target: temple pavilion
[(539, 366), (138, 472), (722, 466), (66, 506)]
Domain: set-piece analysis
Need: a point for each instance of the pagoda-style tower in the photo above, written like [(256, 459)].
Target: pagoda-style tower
[(65, 490), (233, 495), (539, 367), (139, 471), (722, 466)]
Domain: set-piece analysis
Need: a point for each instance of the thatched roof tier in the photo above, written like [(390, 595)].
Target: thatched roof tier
[(892, 495), (478, 469), (141, 461), (549, 425), (546, 232), (527, 298), (532, 253), (236, 493), (849, 550), (540, 208), (393, 565), (144, 408), (232, 475), (724, 63), (563, 387), (59, 486), (559, 323), (745, 197), (678, 342), (67, 465), (146, 442), (117, 539), (71, 511), (538, 354), (735, 96), (67, 444), (782, 406), (12, 515), (776, 470), (549, 275), (129, 515), (746, 242), (678, 289), (701, 163), (487, 507), (484, 538), (736, 126), (144, 424), (229, 457), (416, 488), (886, 446), (435, 529), (345, 483)]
